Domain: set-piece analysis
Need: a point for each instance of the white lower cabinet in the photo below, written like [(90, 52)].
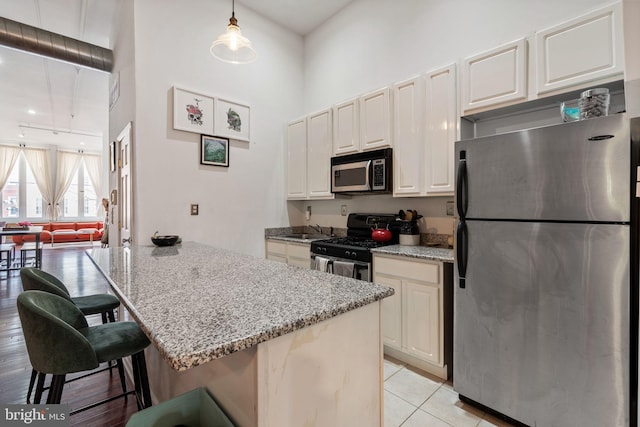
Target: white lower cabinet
[(413, 319), (289, 252)]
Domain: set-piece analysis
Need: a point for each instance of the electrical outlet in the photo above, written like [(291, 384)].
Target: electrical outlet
[(343, 210), (450, 208), (194, 209)]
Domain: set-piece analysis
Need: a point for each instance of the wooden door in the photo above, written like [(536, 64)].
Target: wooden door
[(124, 186)]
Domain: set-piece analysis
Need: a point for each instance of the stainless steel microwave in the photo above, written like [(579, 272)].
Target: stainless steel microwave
[(367, 172)]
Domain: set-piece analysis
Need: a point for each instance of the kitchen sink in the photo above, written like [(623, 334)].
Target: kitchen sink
[(306, 236)]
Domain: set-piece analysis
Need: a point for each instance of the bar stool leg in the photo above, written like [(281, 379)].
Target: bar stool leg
[(55, 390), (39, 388), (32, 382), (143, 395)]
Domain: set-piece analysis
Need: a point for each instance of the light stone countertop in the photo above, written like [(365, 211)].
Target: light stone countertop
[(198, 303), (420, 252)]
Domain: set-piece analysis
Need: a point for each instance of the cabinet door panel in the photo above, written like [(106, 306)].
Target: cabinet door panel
[(319, 149), (346, 127), (422, 323), (440, 129), (391, 312), (375, 125), (495, 76), (408, 141), (297, 159), (580, 50)]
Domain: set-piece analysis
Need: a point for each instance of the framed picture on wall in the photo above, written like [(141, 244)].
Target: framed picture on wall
[(192, 111), (231, 120), (214, 151)]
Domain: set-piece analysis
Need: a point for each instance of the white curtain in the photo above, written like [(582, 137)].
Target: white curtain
[(67, 167), (93, 166), (8, 157), (38, 161)]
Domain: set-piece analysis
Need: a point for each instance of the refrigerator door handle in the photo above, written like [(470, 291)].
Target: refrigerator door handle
[(462, 186), (462, 249)]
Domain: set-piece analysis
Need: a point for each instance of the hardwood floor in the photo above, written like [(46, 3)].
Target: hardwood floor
[(75, 269)]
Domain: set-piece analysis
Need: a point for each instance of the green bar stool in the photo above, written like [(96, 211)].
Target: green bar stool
[(103, 304), (60, 342)]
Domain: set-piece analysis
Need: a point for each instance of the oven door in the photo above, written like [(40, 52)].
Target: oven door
[(342, 266), (350, 177)]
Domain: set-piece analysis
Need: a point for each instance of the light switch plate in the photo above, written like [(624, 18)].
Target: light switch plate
[(194, 209), (450, 208)]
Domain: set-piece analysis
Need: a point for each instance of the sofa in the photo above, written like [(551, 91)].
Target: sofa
[(48, 227)]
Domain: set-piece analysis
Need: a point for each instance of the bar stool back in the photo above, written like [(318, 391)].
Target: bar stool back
[(60, 342), (103, 304)]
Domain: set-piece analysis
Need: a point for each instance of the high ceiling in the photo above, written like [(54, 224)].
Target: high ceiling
[(48, 102)]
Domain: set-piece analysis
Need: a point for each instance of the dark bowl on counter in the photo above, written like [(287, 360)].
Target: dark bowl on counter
[(164, 240)]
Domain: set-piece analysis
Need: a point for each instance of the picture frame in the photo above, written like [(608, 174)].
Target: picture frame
[(192, 111), (214, 151), (232, 120)]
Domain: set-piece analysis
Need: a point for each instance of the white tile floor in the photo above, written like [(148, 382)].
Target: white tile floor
[(413, 398)]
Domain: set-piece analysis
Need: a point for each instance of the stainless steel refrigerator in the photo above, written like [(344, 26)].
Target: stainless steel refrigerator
[(546, 285)]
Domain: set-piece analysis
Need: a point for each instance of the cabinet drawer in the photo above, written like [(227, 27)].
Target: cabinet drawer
[(274, 247), (298, 251), (415, 270)]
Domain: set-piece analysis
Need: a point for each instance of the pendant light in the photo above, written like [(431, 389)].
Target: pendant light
[(232, 46)]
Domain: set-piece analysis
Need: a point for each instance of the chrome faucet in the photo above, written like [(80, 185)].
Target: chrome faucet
[(316, 228)]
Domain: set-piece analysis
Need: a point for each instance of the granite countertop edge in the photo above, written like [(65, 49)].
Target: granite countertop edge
[(184, 362), (418, 252)]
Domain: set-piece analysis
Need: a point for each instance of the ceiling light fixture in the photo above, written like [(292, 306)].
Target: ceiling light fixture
[(232, 46)]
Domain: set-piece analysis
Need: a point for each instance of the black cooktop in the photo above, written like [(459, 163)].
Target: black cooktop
[(358, 242)]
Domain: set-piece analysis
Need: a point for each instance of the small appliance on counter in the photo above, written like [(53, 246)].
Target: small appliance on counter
[(409, 230)]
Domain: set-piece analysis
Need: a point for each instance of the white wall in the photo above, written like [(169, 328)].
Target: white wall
[(631, 16), (374, 43), (172, 48)]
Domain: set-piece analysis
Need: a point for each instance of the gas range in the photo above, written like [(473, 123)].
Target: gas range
[(357, 245)]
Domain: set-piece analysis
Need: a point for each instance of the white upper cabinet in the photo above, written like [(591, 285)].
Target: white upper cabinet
[(408, 137), (297, 159), (424, 133), (441, 130), (346, 127), (580, 50), (495, 76), (309, 147), (375, 120), (319, 149)]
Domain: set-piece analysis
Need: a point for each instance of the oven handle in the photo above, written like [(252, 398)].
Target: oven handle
[(358, 264)]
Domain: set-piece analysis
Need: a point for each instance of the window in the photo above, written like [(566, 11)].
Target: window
[(21, 198), (80, 200), (11, 193)]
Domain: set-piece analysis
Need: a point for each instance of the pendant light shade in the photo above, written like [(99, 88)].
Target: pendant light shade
[(232, 46)]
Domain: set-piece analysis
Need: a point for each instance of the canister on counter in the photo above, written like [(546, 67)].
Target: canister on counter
[(594, 103)]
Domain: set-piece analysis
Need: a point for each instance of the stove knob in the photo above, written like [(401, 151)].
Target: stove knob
[(347, 254), (354, 255), (324, 250)]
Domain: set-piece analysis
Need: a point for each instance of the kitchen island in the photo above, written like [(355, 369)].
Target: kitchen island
[(275, 345)]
